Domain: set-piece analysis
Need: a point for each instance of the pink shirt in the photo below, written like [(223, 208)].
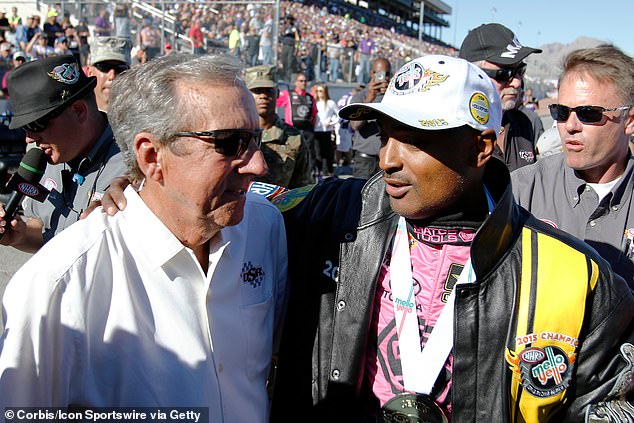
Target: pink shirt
[(438, 256)]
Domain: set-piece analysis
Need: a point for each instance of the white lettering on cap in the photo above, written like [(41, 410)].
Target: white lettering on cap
[(512, 49)]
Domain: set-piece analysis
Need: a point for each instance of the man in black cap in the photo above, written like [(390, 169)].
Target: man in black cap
[(496, 50), (54, 101)]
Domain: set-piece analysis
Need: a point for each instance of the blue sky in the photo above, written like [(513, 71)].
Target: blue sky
[(538, 22)]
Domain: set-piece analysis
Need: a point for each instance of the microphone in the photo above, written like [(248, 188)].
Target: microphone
[(26, 182)]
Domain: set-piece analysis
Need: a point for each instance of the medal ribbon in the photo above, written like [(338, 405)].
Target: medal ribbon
[(421, 367)]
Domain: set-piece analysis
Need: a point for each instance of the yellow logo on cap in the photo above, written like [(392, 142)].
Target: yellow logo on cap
[(479, 108)]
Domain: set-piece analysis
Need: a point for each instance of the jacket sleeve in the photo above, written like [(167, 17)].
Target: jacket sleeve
[(604, 388)]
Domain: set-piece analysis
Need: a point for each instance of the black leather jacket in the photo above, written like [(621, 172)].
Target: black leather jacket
[(338, 235)]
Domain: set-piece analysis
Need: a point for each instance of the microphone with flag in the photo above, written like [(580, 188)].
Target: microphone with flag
[(25, 182)]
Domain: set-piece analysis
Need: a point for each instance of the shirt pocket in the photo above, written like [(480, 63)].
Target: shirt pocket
[(257, 321)]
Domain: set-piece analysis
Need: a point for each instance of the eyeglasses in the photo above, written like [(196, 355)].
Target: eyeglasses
[(228, 142), (586, 114), (504, 75), (42, 123), (107, 67)]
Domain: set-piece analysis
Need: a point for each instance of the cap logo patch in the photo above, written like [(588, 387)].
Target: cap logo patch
[(67, 73), (432, 78), (408, 78), (479, 108), (512, 49)]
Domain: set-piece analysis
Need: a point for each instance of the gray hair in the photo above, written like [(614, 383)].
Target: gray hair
[(144, 98)]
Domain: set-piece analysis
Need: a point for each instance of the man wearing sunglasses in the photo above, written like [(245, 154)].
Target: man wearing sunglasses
[(587, 190), (176, 301), (109, 57), (498, 52), (54, 101)]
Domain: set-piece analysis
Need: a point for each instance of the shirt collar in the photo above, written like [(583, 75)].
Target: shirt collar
[(574, 185)]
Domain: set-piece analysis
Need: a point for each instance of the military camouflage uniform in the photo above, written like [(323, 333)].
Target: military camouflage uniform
[(287, 156)]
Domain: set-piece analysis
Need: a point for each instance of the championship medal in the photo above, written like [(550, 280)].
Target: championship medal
[(412, 408)]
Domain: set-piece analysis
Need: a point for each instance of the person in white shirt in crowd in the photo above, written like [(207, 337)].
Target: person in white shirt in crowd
[(327, 118), (176, 300)]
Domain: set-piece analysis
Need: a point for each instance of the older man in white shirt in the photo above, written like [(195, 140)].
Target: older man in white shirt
[(176, 300)]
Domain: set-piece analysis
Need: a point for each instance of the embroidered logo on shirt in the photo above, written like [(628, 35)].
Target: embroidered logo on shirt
[(252, 274)]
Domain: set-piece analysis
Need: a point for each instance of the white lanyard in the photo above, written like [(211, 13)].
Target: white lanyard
[(421, 368)]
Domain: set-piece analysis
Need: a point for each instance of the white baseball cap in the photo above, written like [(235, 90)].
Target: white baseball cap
[(435, 93)]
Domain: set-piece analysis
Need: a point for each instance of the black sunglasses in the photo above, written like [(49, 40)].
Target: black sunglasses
[(42, 123), (107, 67), (586, 114), (504, 75), (228, 142)]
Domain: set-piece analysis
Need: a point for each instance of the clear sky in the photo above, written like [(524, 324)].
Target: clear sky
[(538, 22)]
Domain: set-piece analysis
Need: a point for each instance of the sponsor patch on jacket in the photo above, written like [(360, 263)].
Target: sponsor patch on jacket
[(289, 199), (266, 190), (544, 372)]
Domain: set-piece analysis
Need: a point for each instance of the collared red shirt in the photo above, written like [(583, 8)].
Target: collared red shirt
[(68, 198), (554, 193), (115, 311)]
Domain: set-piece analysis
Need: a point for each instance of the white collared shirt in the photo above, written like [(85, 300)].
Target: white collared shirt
[(115, 311)]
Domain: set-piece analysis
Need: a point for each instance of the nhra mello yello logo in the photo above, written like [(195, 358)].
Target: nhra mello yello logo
[(544, 372)]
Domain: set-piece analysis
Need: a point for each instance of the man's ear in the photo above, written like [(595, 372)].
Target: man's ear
[(148, 156), (485, 144)]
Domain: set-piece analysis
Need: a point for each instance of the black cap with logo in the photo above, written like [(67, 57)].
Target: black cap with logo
[(494, 43), (39, 87)]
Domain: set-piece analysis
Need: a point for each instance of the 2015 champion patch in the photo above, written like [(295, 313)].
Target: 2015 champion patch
[(544, 372)]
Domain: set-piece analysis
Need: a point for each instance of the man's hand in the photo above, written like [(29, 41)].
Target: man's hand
[(374, 88), (25, 235), (113, 199), (11, 231)]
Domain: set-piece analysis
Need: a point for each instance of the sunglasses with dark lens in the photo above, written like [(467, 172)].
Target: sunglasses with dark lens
[(504, 75), (228, 142), (42, 123), (586, 114), (107, 67)]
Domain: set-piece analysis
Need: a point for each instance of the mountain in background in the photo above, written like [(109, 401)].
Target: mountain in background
[(547, 65)]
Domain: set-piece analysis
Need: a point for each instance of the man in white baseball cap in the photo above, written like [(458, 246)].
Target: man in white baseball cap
[(427, 294)]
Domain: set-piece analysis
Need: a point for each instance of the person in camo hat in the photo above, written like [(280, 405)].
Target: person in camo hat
[(109, 57), (54, 101), (284, 147)]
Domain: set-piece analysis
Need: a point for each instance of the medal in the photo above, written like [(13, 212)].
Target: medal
[(412, 408)]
